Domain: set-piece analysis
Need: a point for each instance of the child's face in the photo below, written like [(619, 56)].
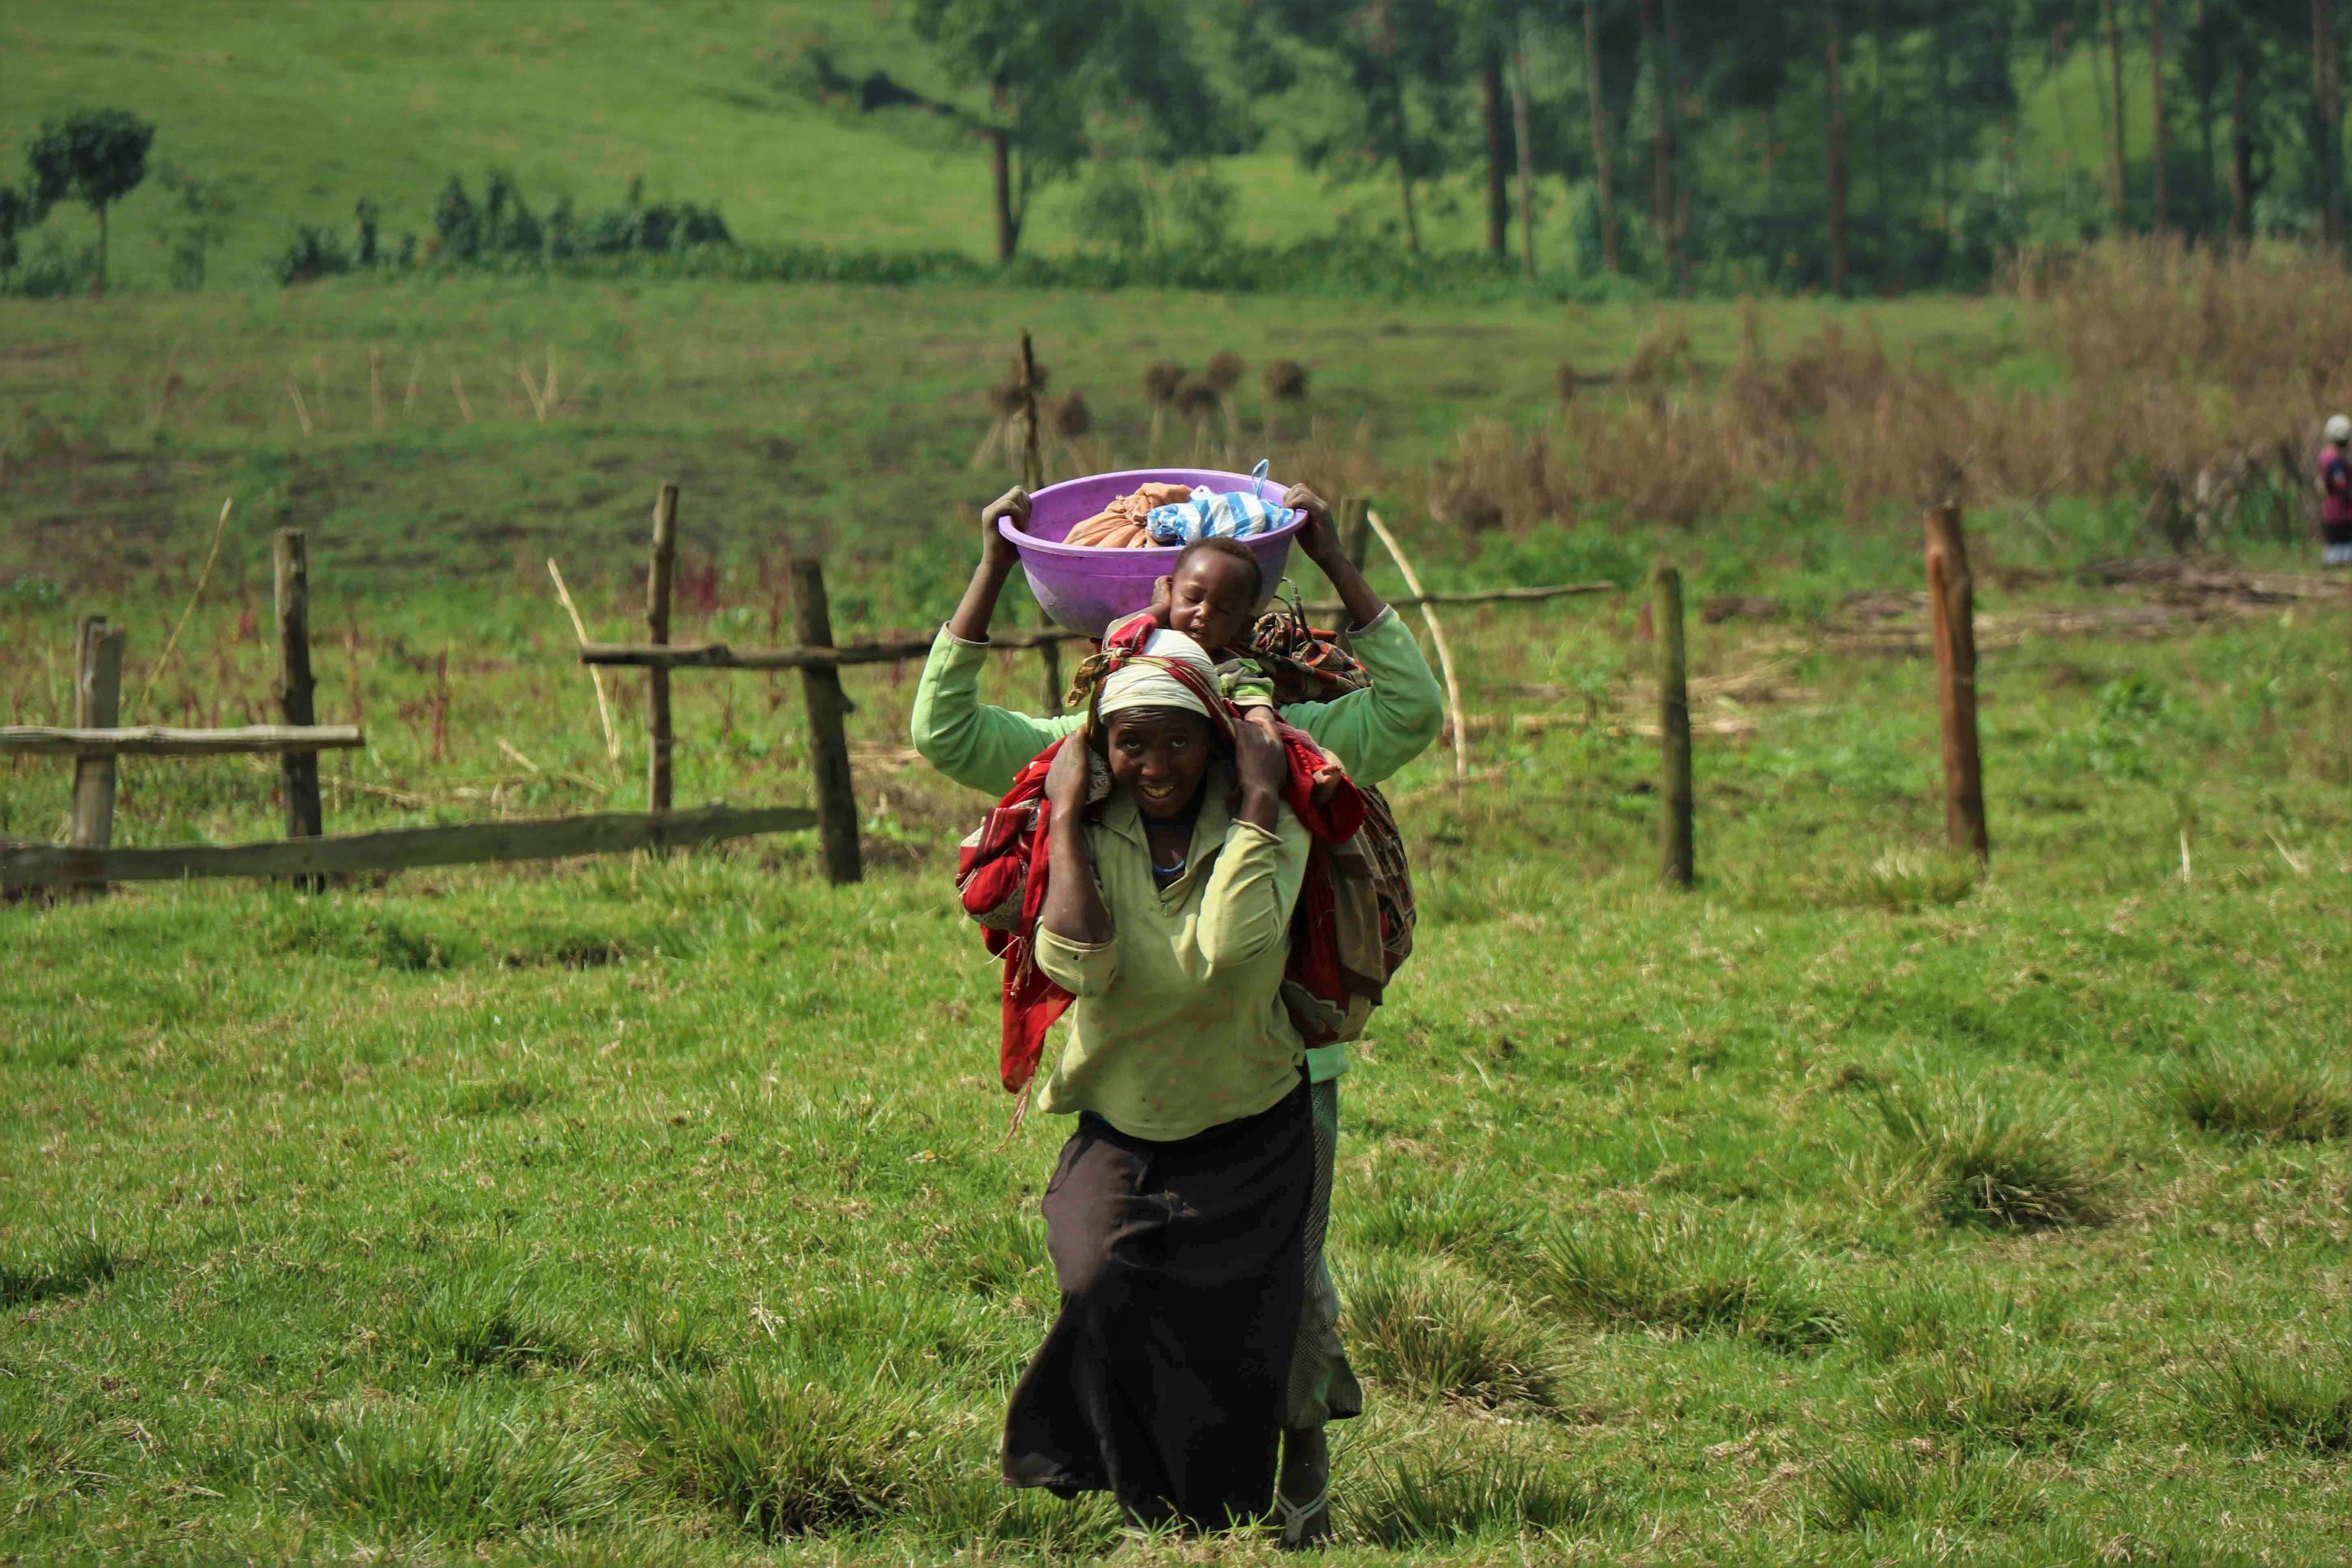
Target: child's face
[(1208, 600)]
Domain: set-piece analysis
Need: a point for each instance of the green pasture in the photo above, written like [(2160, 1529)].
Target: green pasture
[(840, 420), (302, 110), (1855, 1209)]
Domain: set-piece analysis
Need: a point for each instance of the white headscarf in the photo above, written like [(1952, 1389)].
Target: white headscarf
[(1143, 685)]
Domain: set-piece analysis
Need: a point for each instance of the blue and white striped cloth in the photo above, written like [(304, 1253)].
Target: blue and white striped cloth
[(1235, 514)]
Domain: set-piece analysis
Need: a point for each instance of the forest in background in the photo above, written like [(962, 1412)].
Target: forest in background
[(1863, 146)]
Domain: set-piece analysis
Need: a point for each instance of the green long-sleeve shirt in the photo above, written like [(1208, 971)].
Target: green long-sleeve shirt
[(1179, 1022), (1374, 732)]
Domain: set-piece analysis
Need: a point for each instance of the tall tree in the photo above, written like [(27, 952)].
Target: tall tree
[(1520, 134), (2328, 122), (1390, 52), (1600, 167), (96, 157), (1047, 65), (1662, 140), (1835, 152), (2155, 88), (2121, 193), (1498, 194)]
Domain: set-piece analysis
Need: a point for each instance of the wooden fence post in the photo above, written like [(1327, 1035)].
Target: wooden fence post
[(1355, 531), (1676, 858), (664, 558), (837, 796), (306, 815), (97, 705), (1033, 480), (1951, 609)]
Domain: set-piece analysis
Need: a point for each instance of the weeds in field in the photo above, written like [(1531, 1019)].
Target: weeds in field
[(1909, 879), (1918, 1482), (73, 1264), (778, 1458), (459, 1468), (467, 1325), (2299, 1397), (2253, 1094), (2024, 1401), (1426, 1500), (1968, 1156), (1439, 1334), (1470, 1216), (1683, 1276)]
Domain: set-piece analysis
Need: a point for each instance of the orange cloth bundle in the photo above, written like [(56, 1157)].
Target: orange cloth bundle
[(1119, 526)]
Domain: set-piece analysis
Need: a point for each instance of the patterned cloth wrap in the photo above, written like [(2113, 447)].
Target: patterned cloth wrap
[(1232, 515), (1005, 866)]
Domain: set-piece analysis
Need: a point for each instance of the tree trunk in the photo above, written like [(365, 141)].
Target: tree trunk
[(1498, 177), (1661, 144), (2156, 86), (1404, 180), (2205, 114), (1601, 171), (2121, 194), (1836, 161), (1526, 152), (1000, 156), (1678, 247), (2242, 158), (2323, 74)]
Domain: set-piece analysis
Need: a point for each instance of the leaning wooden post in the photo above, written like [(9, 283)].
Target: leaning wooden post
[(665, 557), (306, 815), (1675, 855), (837, 796), (1951, 609), (1356, 530), (97, 705), (1033, 480)]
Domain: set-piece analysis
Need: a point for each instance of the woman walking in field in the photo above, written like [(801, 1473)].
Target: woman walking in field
[(1373, 731), (1177, 1214)]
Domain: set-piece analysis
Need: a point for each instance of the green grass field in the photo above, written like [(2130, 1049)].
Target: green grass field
[(1853, 1209)]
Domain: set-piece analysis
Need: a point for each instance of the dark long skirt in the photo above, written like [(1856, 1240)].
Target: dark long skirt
[(1182, 1271)]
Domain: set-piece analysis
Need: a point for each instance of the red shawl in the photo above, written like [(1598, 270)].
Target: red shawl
[(1010, 852)]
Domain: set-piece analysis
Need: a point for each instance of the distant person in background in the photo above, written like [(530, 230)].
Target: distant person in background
[(2336, 502)]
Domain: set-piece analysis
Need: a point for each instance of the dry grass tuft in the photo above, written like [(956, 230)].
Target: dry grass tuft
[(1224, 370), (1286, 381), (1161, 382), (1071, 419)]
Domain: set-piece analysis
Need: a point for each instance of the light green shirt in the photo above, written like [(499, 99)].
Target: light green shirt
[(1374, 732), (1179, 1022)]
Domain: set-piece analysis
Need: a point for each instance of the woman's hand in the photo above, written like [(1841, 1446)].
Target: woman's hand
[(998, 557), (1066, 777), (1319, 539), (1259, 759), (995, 550)]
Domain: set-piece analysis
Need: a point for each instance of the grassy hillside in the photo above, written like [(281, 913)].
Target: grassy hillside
[(313, 107)]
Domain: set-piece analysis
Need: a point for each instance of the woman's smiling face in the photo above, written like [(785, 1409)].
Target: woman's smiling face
[(1161, 754)]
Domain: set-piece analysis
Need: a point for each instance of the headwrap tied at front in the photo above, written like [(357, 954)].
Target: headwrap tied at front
[(1144, 666)]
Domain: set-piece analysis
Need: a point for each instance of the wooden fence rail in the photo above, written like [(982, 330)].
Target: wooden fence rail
[(720, 655), (156, 740), (406, 849)]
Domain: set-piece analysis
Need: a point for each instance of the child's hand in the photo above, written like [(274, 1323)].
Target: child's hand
[(1163, 598)]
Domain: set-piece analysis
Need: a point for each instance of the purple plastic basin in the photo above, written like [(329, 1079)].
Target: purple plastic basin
[(1085, 589)]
